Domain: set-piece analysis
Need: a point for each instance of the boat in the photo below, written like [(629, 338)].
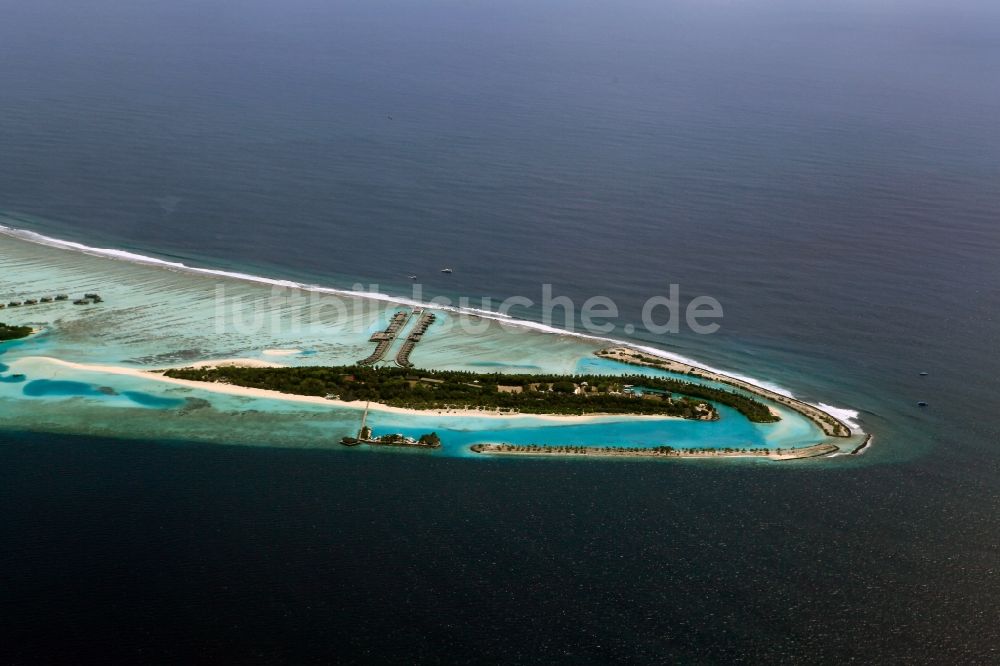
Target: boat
[(447, 270), (413, 277), (923, 374), (921, 404)]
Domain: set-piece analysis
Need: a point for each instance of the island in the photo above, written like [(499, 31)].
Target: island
[(576, 395), (428, 440), (8, 332), (831, 426)]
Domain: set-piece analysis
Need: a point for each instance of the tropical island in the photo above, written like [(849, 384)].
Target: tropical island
[(429, 440), (8, 332), (503, 393)]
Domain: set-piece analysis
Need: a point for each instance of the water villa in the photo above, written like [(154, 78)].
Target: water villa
[(89, 299), (45, 300), (384, 339), (815, 451), (403, 357)]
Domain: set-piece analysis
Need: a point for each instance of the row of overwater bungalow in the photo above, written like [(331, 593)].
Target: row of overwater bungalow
[(88, 299)]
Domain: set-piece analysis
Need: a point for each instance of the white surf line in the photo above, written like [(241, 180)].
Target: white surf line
[(848, 416)]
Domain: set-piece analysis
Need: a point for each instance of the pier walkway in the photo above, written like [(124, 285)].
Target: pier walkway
[(384, 339), (403, 357)]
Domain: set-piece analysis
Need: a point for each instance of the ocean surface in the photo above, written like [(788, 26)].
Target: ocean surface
[(830, 174)]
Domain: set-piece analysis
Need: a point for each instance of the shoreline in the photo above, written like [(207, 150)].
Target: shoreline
[(625, 354), (493, 449)]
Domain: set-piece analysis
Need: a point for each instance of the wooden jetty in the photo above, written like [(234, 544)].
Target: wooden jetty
[(384, 339), (403, 357)]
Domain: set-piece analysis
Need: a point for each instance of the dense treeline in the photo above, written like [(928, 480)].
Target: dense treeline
[(532, 394), (13, 332)]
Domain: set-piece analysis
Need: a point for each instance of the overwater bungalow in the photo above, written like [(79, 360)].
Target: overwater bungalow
[(385, 338)]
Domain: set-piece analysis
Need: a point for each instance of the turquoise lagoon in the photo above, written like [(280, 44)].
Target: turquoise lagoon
[(156, 315)]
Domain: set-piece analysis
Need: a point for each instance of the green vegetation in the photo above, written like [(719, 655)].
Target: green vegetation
[(529, 394), (430, 439), (828, 423), (13, 332)]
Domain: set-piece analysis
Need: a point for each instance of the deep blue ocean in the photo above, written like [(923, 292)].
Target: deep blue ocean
[(830, 172)]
